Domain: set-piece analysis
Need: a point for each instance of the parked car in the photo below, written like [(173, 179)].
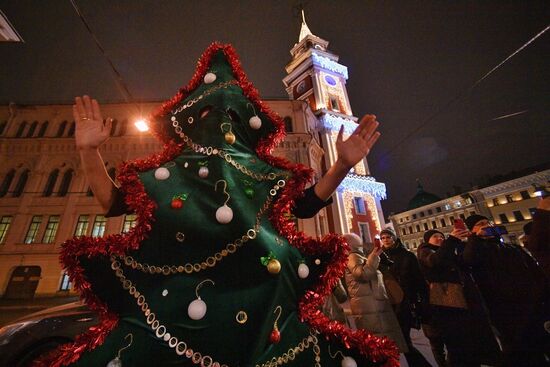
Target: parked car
[(25, 339)]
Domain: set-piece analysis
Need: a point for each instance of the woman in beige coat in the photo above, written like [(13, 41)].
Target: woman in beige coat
[(368, 299)]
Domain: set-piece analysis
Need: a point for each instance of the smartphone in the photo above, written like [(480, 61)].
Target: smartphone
[(495, 231), (377, 242), (459, 224)]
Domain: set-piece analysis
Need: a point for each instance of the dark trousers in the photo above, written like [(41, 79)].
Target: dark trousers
[(468, 338), (436, 343), (404, 317)]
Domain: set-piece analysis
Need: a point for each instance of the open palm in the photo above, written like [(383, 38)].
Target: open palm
[(91, 131), (358, 144)]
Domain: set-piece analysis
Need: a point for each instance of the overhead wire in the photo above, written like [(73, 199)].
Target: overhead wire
[(460, 95)]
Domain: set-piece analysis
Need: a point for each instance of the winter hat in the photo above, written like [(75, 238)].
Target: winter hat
[(473, 219), (388, 231), (430, 233), (353, 240)]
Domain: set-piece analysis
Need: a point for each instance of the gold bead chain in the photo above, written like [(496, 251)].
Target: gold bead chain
[(208, 92), (291, 354), (160, 330), (212, 150), (210, 261)]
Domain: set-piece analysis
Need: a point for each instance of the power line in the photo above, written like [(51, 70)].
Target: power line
[(460, 95)]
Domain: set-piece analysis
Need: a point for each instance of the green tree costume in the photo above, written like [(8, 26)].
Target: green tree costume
[(143, 282)]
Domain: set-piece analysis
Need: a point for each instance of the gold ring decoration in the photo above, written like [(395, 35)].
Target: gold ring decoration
[(241, 317)]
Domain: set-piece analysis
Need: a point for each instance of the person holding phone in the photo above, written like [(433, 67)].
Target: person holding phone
[(514, 293), (455, 322)]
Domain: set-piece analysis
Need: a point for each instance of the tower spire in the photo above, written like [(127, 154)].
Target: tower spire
[(304, 31)]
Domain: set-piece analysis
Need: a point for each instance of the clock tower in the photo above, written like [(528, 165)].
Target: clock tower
[(315, 76)]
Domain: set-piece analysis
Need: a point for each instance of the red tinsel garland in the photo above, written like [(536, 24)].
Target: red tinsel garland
[(375, 348)]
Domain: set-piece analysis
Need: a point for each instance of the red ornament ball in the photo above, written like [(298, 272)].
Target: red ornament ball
[(275, 336), (176, 203)]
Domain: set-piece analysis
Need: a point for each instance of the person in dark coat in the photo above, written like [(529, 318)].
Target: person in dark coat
[(537, 235), (405, 269), (457, 321), (514, 291)]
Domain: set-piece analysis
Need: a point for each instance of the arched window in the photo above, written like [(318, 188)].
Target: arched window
[(7, 183), (123, 127), (71, 130), (65, 183), (32, 129), (288, 124), (19, 132), (112, 173), (113, 127), (43, 129), (3, 127), (50, 184), (21, 183), (61, 129)]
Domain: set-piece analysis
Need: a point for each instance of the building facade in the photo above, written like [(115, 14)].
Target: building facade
[(45, 198), (510, 203), (315, 76)]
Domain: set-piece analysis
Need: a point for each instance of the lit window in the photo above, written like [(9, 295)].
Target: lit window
[(33, 229), (458, 204), (130, 222), (51, 229), (81, 226), (65, 283), (447, 206), (359, 205), (4, 226), (99, 226)]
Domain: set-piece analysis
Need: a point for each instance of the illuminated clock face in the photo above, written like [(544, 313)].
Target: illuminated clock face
[(330, 80)]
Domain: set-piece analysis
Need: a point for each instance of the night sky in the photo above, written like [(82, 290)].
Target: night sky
[(407, 60)]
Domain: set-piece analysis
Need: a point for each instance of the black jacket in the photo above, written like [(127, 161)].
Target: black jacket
[(406, 270), (514, 289), (439, 264)]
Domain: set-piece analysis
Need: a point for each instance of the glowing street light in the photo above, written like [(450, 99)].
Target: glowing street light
[(142, 125)]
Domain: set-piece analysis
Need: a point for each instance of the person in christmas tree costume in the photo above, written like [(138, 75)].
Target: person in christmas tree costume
[(215, 272)]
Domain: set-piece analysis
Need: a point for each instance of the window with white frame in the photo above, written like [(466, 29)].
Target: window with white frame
[(65, 283), (51, 229), (365, 232), (5, 223), (81, 228), (130, 221), (98, 228), (32, 232), (359, 205)]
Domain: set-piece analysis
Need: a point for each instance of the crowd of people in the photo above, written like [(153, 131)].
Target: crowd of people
[(478, 300)]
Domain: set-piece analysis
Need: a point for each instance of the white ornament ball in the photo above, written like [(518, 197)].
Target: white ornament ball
[(209, 78), (196, 309), (349, 362), (317, 261), (255, 122), (162, 173), (203, 172), (224, 214), (115, 363), (303, 271)]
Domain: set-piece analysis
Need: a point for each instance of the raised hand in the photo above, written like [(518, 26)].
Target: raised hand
[(358, 144), (91, 130)]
